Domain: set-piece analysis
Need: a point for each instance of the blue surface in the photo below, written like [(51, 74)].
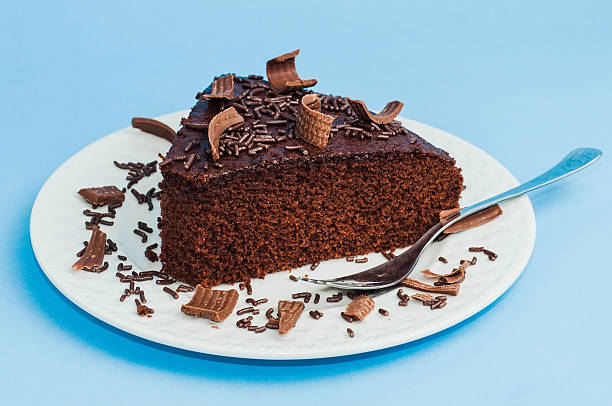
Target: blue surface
[(525, 82)]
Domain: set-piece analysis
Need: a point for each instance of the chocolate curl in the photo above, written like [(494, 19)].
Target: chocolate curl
[(430, 274), (312, 125), (222, 88), (215, 305), (473, 220), (423, 297), (154, 127), (388, 114), (282, 74), (360, 307), (94, 253), (458, 277), (446, 289), (218, 124)]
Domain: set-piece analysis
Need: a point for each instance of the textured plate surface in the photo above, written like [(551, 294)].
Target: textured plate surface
[(57, 231)]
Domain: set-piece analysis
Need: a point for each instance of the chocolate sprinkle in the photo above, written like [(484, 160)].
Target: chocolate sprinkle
[(137, 171), (141, 234), (144, 227), (171, 292), (346, 317)]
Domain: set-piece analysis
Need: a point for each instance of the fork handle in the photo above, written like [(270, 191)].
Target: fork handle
[(576, 160)]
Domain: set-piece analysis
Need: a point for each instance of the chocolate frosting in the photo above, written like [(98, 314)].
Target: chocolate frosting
[(338, 145)]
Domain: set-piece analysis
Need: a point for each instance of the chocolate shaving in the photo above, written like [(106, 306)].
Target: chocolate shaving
[(360, 307), (215, 305), (474, 220), (218, 124), (414, 284), (388, 114), (448, 215), (283, 75), (457, 277), (154, 127), (312, 125), (423, 297), (94, 253), (102, 195), (222, 88), (430, 274), (454, 273), (289, 312)]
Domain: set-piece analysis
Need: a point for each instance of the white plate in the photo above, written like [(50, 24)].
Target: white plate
[(57, 230)]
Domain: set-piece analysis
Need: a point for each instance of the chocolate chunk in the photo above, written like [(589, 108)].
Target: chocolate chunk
[(102, 195), (474, 220), (222, 88), (388, 114), (218, 124), (360, 307), (312, 125), (215, 305), (414, 284), (94, 253), (283, 75), (154, 127), (289, 312)]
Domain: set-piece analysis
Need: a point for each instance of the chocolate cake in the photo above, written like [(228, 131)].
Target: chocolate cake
[(257, 198)]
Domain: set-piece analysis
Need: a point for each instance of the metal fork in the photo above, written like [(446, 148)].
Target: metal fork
[(394, 271)]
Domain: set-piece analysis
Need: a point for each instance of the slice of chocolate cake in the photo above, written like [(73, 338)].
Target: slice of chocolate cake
[(257, 198)]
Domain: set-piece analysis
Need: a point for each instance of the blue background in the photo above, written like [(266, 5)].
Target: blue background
[(525, 81)]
